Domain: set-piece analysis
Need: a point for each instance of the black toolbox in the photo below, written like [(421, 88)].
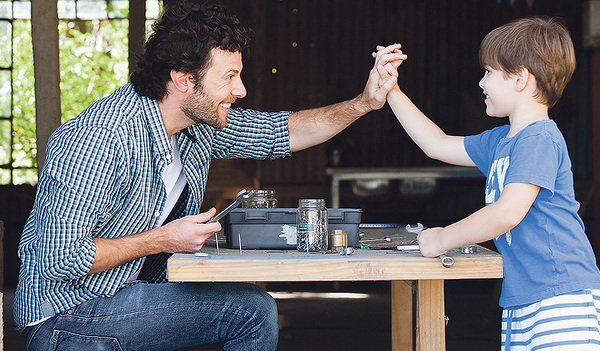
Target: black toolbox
[(275, 228)]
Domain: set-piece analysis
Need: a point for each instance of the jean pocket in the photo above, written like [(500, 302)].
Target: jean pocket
[(67, 341)]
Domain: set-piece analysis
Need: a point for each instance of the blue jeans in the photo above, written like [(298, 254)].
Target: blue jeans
[(168, 316)]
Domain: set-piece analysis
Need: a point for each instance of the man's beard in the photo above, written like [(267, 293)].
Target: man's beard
[(200, 109)]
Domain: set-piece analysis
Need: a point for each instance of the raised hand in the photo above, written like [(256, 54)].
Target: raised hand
[(387, 60)]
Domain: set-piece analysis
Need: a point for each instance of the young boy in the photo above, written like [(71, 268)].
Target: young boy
[(550, 295)]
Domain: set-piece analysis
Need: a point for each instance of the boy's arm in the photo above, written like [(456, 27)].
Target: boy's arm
[(487, 223), (315, 126), (426, 134)]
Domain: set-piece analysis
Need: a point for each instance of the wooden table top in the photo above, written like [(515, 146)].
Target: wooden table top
[(363, 264)]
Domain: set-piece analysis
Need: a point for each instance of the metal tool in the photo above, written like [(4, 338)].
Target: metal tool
[(407, 247), (347, 251), (447, 261), (469, 249), (377, 239), (241, 196)]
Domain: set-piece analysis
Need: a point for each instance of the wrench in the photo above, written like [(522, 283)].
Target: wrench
[(447, 261), (240, 197)]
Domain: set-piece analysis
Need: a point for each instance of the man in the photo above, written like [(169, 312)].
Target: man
[(125, 180)]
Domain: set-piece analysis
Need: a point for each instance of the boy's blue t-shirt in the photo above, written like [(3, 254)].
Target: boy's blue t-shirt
[(548, 253)]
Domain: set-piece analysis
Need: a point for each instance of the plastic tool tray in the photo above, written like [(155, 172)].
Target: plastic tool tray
[(275, 228)]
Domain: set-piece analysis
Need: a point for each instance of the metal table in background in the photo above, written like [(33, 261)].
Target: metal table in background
[(352, 174)]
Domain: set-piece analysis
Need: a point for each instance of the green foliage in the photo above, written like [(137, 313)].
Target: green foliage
[(24, 139), (93, 63)]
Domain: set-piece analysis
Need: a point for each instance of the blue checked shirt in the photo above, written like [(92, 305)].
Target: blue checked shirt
[(102, 179)]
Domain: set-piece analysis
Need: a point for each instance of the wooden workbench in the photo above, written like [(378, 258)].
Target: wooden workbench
[(411, 275)]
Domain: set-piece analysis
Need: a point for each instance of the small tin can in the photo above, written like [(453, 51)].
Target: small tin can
[(338, 240)]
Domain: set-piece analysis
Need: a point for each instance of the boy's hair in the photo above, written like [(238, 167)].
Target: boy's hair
[(543, 46), (181, 40)]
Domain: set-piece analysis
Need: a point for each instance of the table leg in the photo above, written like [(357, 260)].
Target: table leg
[(335, 192), (430, 316), (402, 315)]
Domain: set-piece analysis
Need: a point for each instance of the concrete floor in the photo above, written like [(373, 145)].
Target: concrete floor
[(316, 323)]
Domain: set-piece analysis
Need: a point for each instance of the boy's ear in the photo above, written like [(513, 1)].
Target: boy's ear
[(522, 77), (181, 80)]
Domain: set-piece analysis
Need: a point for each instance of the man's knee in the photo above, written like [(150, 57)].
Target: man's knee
[(263, 303)]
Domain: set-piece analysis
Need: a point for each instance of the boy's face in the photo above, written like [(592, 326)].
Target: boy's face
[(220, 87), (499, 92)]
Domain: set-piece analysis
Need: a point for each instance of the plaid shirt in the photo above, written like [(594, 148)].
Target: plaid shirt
[(102, 179)]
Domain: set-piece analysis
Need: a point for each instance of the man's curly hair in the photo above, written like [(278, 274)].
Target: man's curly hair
[(182, 40)]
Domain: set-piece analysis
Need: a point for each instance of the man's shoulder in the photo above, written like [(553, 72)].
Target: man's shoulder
[(121, 115), (120, 108)]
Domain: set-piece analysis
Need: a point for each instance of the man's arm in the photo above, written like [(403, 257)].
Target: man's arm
[(315, 126), (487, 223), (186, 234)]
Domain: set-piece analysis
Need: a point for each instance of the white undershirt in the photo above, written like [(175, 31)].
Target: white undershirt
[(174, 180)]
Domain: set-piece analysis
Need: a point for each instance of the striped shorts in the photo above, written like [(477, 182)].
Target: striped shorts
[(565, 322)]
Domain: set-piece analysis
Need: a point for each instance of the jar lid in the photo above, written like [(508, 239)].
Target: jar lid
[(264, 192), (311, 202)]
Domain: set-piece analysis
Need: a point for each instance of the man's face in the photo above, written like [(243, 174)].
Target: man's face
[(210, 101)]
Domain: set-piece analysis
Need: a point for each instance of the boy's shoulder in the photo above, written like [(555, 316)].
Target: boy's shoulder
[(494, 134), (546, 127)]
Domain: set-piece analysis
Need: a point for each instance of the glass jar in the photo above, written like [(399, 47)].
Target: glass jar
[(311, 224), (261, 199)]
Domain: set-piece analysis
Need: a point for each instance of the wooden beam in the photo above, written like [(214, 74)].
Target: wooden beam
[(44, 33), (362, 265), (595, 101), (137, 31)]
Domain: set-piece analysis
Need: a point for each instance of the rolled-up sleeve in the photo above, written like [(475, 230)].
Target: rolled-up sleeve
[(253, 134)]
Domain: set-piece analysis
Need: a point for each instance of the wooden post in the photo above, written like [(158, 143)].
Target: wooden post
[(595, 98), (137, 31), (44, 34)]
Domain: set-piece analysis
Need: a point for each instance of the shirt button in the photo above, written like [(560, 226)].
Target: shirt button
[(156, 214)]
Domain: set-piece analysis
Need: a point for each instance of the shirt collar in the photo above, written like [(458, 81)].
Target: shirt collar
[(156, 127)]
